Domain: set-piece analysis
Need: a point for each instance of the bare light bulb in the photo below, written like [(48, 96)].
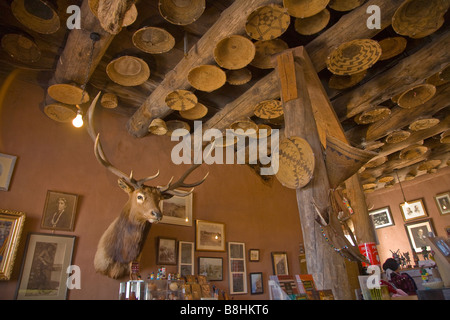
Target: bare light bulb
[(78, 121)]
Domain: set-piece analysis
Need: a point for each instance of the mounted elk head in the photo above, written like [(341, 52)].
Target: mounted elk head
[(122, 243)]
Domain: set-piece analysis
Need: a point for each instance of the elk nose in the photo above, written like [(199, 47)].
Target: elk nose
[(157, 214)]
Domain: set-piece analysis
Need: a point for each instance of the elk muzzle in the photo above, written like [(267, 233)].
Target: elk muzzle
[(155, 217)]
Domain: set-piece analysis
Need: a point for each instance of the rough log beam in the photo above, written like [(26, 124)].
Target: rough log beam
[(407, 73), (354, 24), (232, 21)]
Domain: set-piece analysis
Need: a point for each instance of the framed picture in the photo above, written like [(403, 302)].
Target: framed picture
[(443, 202), (185, 258), (59, 211), (256, 283), (167, 251), (382, 217), (253, 255), (237, 268), (413, 210), (177, 210), (417, 232), (280, 263), (43, 275), (212, 268), (209, 236), (11, 226), (7, 163)]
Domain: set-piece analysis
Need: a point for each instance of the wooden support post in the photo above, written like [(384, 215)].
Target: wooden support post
[(326, 266)]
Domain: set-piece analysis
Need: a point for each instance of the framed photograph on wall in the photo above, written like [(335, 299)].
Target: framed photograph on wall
[(382, 217), (167, 251), (414, 210), (280, 263), (417, 232), (7, 163), (185, 258), (209, 236), (256, 283), (253, 255), (211, 267), (11, 226), (177, 210), (237, 268), (59, 211), (443, 202), (43, 275)]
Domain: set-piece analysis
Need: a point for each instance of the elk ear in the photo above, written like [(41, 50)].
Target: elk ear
[(125, 186)]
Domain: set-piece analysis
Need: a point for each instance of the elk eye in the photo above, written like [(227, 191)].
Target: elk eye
[(140, 197)]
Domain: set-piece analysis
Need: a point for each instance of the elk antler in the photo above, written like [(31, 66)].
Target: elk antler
[(100, 155), (170, 188)]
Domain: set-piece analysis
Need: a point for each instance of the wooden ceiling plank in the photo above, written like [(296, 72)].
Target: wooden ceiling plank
[(410, 71), (318, 50), (232, 21)]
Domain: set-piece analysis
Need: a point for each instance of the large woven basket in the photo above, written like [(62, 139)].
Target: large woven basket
[(173, 125), (269, 109), (264, 50), (392, 47), (197, 112), (376, 162), (109, 101), (422, 124), (21, 48), (267, 22), (37, 15), (207, 78), (354, 56), (68, 93), (245, 127), (374, 115), (238, 77), (153, 40), (416, 96), (314, 24), (344, 82), (60, 112), (429, 164), (413, 152), (343, 161), (304, 8), (181, 12), (296, 162), (129, 18), (158, 127), (397, 136), (419, 18), (181, 100), (234, 52)]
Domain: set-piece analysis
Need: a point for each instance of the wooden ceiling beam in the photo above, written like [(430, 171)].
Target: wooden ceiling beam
[(351, 26), (410, 71), (232, 21)]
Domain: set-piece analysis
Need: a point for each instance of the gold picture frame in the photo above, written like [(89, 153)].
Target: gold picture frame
[(209, 236), (11, 226), (7, 164)]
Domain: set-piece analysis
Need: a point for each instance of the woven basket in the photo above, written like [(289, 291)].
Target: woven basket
[(264, 131), (416, 96), (244, 126), (67, 93), (238, 77), (197, 112), (354, 56), (109, 101), (264, 50), (445, 137), (413, 152), (376, 162), (158, 127), (419, 18), (422, 124), (181, 100), (269, 109), (43, 18), (373, 115), (391, 47), (372, 145), (207, 78), (397, 136), (428, 165), (234, 52), (128, 71), (153, 40), (314, 24), (304, 8), (129, 18), (296, 162), (267, 22), (386, 179), (440, 78), (343, 161), (345, 5), (60, 112), (21, 47), (181, 12)]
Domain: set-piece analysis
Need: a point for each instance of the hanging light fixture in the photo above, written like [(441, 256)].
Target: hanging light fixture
[(77, 122), (401, 188)]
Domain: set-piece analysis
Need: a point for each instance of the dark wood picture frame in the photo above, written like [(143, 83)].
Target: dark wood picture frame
[(167, 251), (256, 283), (59, 211)]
